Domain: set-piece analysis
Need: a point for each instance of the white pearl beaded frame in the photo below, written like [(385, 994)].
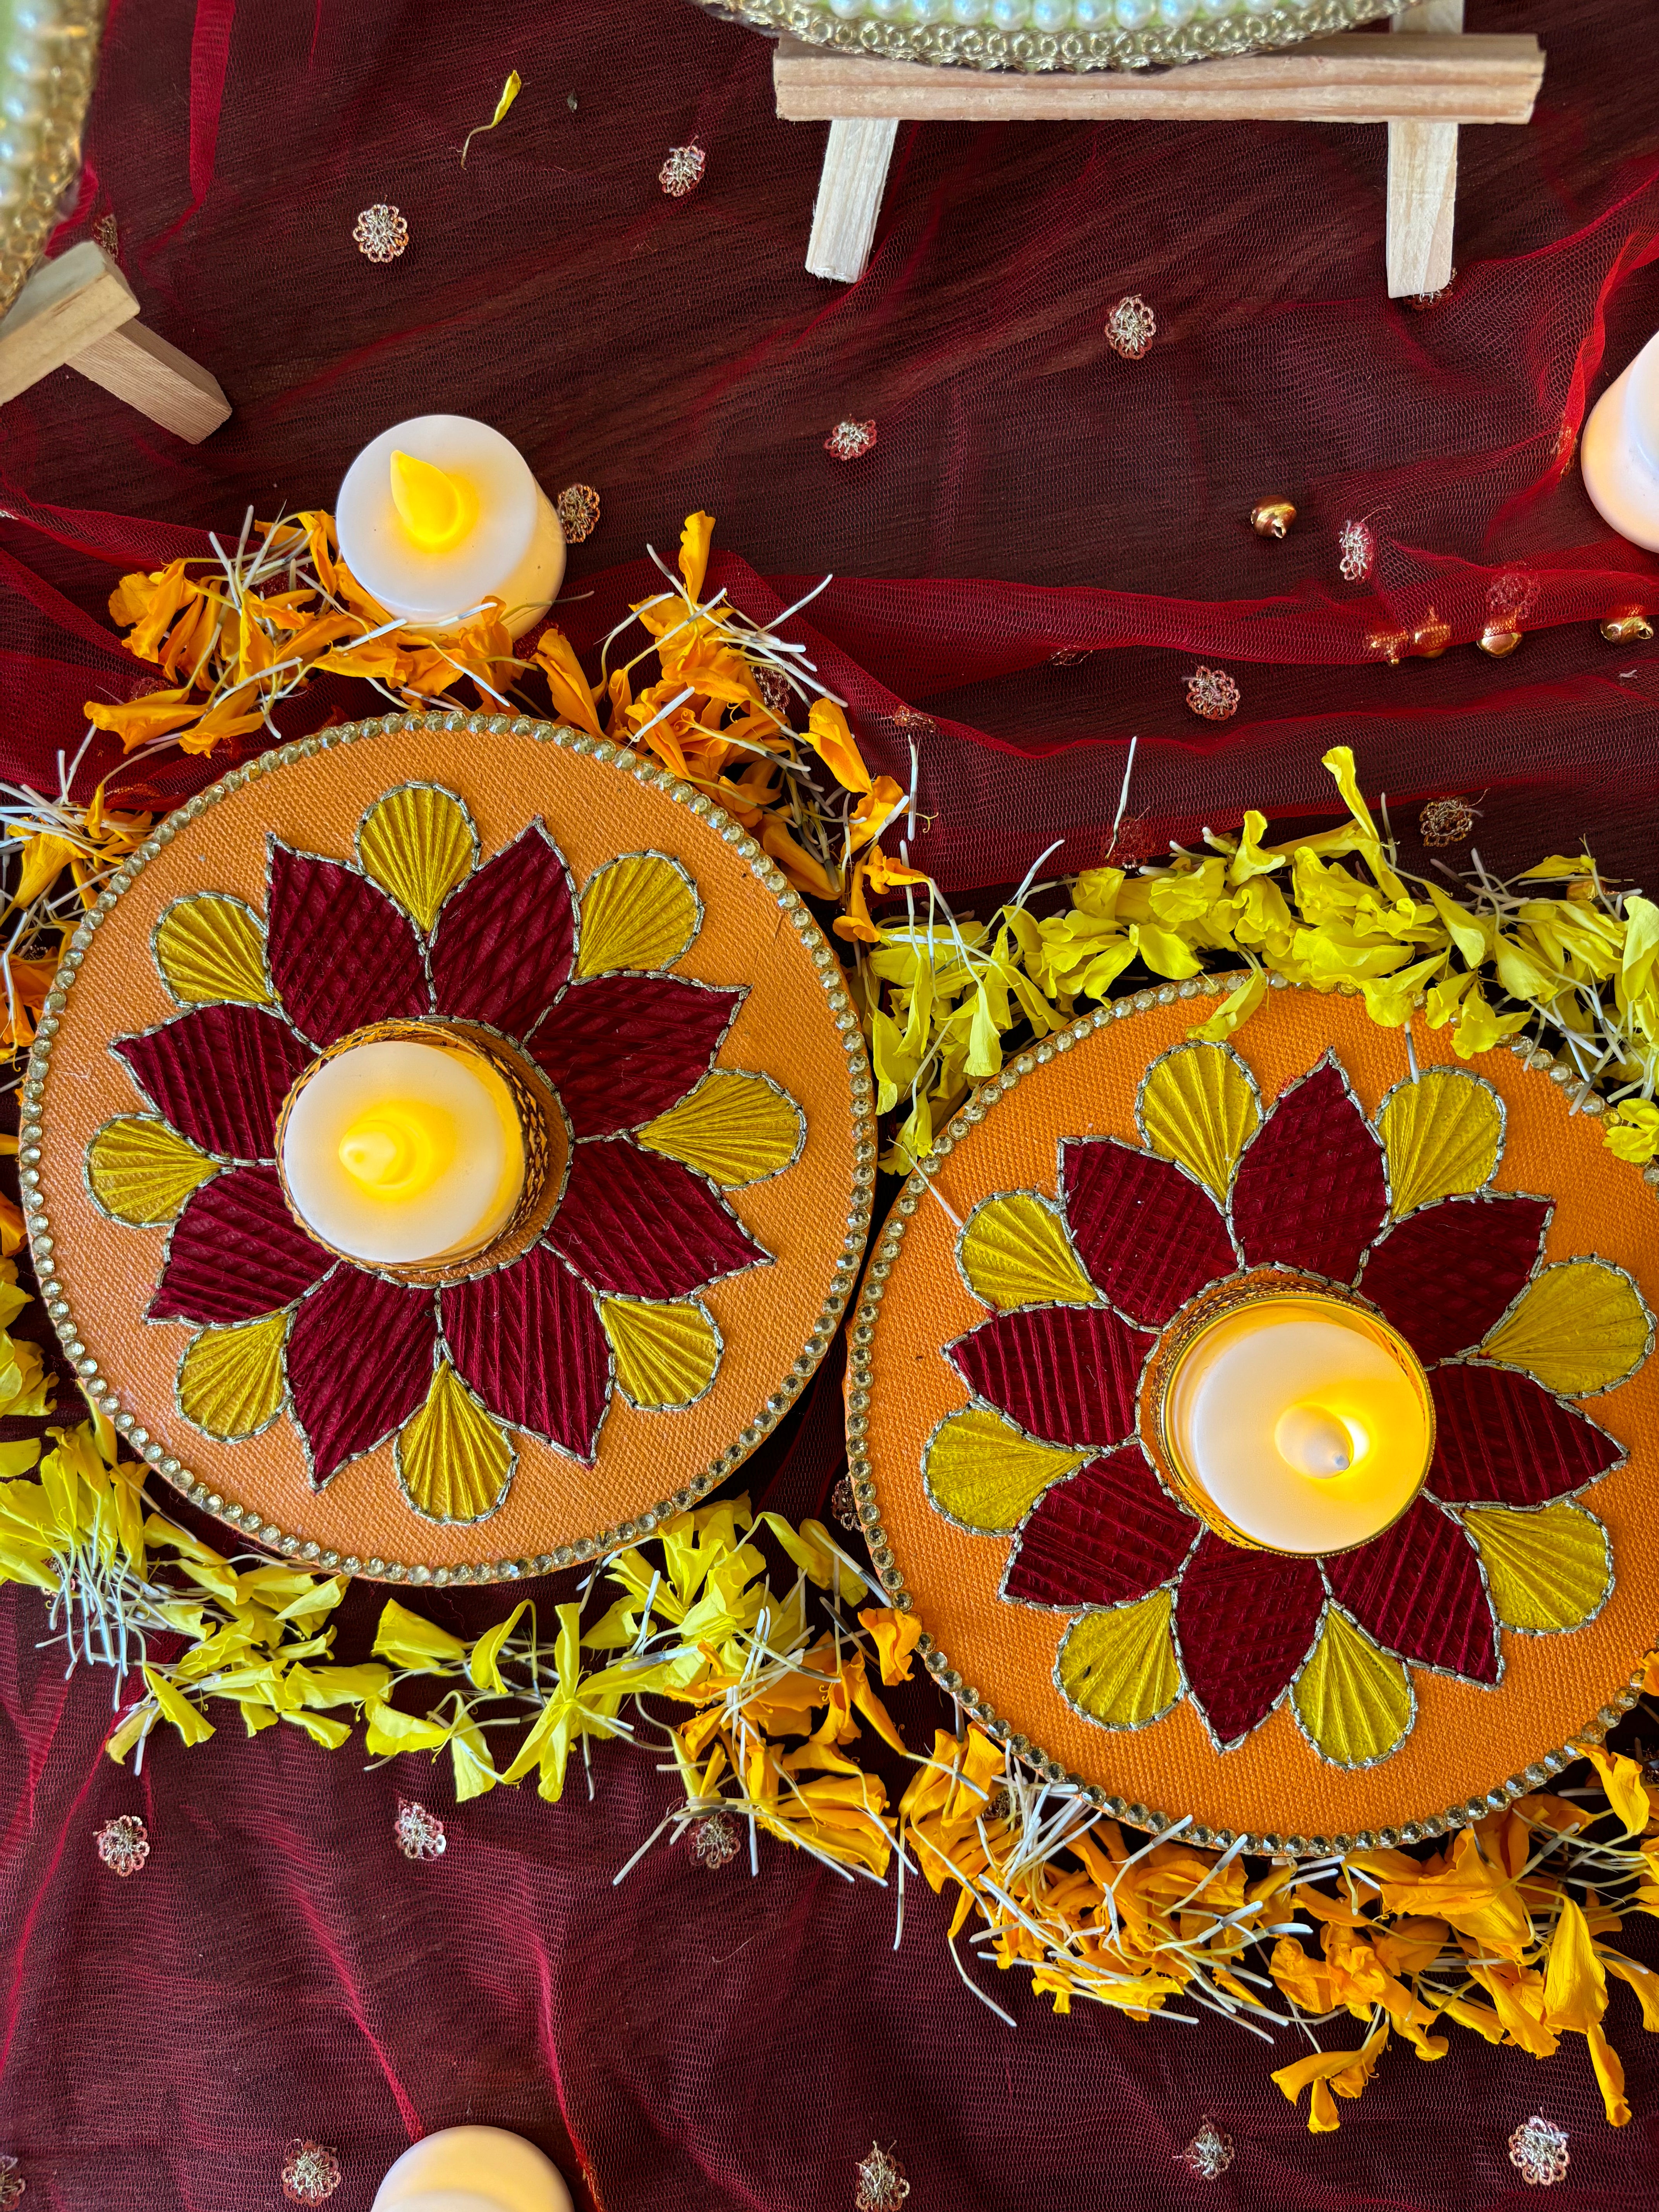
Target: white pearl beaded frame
[(860, 1383), (1036, 36), (643, 770)]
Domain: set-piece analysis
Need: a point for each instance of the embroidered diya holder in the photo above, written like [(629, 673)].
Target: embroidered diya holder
[(626, 971), (1109, 1201)]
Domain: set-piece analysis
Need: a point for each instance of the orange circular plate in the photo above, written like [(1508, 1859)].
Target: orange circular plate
[(795, 1025), (999, 1657)]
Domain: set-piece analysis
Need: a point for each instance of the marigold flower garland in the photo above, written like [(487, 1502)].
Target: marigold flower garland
[(1503, 1932)]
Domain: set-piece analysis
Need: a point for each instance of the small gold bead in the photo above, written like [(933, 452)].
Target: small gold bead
[(1499, 642), (1633, 628), (1272, 517)]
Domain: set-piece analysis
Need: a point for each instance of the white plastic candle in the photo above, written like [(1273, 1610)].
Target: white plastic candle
[(1304, 1423), (1621, 451), (397, 1152), (439, 514), (473, 2170)]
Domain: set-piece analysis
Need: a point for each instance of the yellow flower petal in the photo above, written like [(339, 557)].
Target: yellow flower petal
[(1443, 1134), (1119, 1667), (231, 1383), (1354, 1702), (982, 1474), (1199, 1104), (209, 948), (1547, 1571), (1579, 1326), (666, 1354), (142, 1172), (418, 842), (640, 911), (1014, 1251), (453, 1462), (736, 1128)]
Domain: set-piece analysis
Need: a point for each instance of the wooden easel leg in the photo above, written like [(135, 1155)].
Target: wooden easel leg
[(850, 187), (1422, 176)]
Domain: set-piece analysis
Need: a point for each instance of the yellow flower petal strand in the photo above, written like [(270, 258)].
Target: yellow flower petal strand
[(418, 842), (1579, 1326), (1197, 1105), (1014, 1251), (1354, 1702), (666, 1354), (142, 1171), (230, 1380), (982, 1474), (1547, 1571), (640, 911), (1443, 1134), (453, 1462), (737, 1128), (1119, 1667), (209, 948)]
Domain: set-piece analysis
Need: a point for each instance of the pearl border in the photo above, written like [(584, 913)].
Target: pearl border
[(861, 1384), (645, 770)]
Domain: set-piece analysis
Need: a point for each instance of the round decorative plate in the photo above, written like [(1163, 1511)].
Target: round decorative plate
[(1053, 34), (1082, 1222), (673, 1030)]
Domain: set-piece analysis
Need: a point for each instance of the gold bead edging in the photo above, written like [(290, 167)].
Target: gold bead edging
[(980, 46), (57, 41), (860, 1377), (645, 770)]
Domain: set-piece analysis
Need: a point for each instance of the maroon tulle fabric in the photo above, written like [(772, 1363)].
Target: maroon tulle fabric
[(707, 2042)]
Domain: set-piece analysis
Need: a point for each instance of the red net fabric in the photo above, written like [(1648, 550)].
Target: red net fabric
[(695, 2039)]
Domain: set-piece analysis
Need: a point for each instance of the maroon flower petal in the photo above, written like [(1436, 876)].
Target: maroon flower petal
[(503, 944), (1444, 1274), (359, 1361), (641, 1223), (1418, 1589), (236, 1252), (1245, 1621), (1105, 1535), (1500, 1438), (1310, 1191), (1066, 1373), (219, 1075), (341, 953), (1149, 1236), (621, 1049), (529, 1341)]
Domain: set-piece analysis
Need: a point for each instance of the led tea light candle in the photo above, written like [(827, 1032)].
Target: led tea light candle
[(403, 1151), (473, 2170), (1621, 451), (1296, 1423), (439, 514)]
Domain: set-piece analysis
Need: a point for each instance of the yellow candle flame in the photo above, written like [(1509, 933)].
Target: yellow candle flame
[(398, 1151), (436, 508)]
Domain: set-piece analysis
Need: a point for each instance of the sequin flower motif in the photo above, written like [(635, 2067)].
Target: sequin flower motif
[(882, 2184), (1445, 821), (122, 1844), (13, 2187), (850, 441), (637, 1135), (1212, 695), (419, 1834), (1355, 551), (1209, 2154), (1538, 2149), (311, 2174), (1059, 1447), (682, 173), (1131, 327), (578, 509), (382, 232), (715, 1841)]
